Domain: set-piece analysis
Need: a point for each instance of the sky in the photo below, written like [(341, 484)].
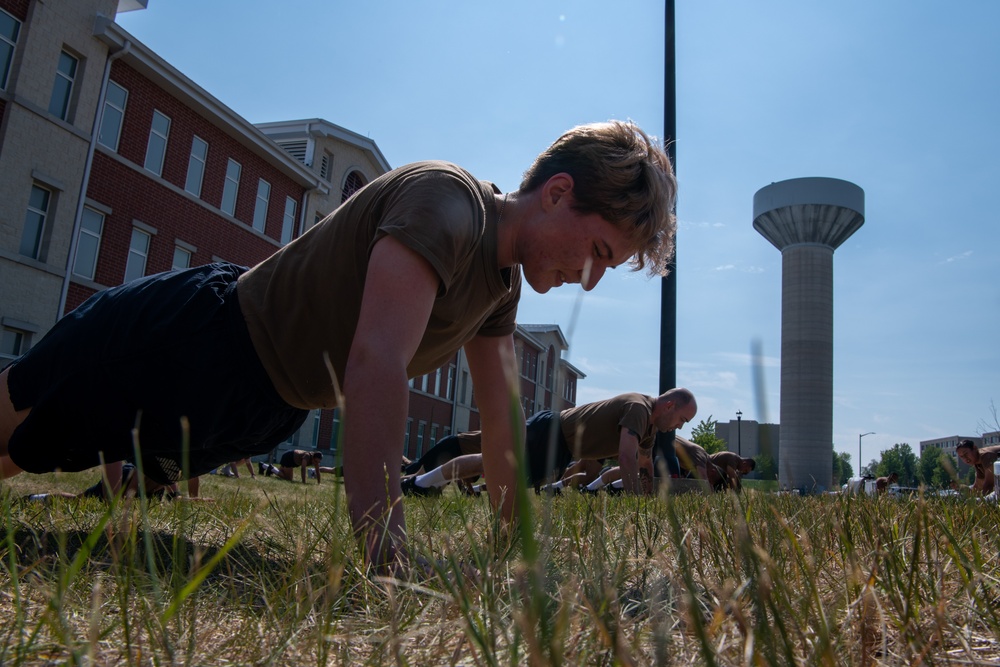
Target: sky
[(900, 97)]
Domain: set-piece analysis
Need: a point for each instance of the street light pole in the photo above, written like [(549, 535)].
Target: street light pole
[(739, 434), (859, 449)]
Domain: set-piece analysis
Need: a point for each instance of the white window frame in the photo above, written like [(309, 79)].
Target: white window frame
[(260, 206), (157, 140), (19, 343), (185, 255), (88, 243), (420, 437), (62, 100), (231, 190), (43, 215), (288, 220), (113, 113), (10, 42), (196, 167), (135, 265)]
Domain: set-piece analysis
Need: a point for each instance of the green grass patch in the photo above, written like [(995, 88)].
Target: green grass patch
[(269, 574)]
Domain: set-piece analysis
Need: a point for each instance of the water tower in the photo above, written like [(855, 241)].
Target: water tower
[(807, 219)]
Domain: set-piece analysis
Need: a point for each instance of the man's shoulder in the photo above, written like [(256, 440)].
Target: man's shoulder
[(437, 170), (990, 454)]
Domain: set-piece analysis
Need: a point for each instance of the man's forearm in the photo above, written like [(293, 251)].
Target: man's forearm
[(374, 418)]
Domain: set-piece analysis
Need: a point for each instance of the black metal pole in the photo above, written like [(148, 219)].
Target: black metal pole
[(668, 287), (739, 433)]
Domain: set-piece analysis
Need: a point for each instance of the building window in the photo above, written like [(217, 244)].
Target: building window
[(196, 166), (13, 343), (406, 436), (464, 393), (437, 383), (182, 258), (10, 28), (138, 253), (113, 115), (288, 221), (62, 90), (420, 437), (34, 222), (434, 434), (450, 394), (88, 243), (324, 165), (260, 208), (355, 181), (156, 148), (232, 187)]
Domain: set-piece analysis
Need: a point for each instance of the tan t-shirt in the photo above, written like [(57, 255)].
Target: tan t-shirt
[(593, 430), (690, 455), (303, 302)]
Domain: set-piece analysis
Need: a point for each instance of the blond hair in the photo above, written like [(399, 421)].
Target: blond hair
[(623, 175)]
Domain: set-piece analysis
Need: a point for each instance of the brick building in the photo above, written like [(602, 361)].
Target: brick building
[(115, 165)]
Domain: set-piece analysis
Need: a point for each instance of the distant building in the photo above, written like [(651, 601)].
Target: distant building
[(115, 165), (750, 438)]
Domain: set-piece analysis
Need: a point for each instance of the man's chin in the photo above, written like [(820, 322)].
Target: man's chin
[(540, 289)]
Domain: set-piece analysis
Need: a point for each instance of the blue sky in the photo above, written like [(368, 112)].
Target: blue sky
[(900, 97)]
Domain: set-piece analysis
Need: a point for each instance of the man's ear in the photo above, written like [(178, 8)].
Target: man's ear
[(556, 189)]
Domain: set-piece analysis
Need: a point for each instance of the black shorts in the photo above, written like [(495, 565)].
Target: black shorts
[(444, 450), (547, 452), (142, 356), (287, 459)]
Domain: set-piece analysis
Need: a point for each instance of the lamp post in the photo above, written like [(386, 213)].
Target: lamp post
[(859, 449), (739, 434)]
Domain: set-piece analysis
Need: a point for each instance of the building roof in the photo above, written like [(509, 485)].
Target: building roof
[(318, 127), (546, 328)]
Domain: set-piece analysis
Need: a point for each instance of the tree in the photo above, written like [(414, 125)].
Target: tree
[(902, 461), (937, 469), (766, 468), (704, 434), (842, 470)]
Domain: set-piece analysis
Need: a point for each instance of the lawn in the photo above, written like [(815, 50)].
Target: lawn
[(268, 574)]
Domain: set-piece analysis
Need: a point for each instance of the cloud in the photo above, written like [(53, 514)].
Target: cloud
[(956, 258), (725, 267), (691, 224)]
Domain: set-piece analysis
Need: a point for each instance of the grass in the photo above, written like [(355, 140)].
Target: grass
[(268, 574)]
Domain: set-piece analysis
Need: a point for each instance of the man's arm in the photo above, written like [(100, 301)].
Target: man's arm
[(400, 288), (491, 362), (302, 470), (316, 463), (636, 464)]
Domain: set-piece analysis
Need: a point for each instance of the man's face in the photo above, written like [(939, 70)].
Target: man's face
[(745, 467), (969, 455), (569, 247), (672, 418)]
